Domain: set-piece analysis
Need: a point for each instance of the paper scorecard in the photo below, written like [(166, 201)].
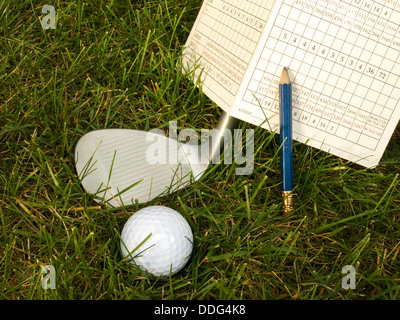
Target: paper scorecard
[(343, 58)]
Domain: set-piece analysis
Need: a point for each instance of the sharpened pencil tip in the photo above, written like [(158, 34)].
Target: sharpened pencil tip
[(285, 79)]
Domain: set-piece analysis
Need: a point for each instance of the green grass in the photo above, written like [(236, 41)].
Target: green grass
[(112, 64)]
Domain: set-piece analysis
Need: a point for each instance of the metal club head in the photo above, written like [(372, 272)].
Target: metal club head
[(121, 167)]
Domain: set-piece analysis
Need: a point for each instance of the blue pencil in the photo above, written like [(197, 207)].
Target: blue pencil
[(285, 102)]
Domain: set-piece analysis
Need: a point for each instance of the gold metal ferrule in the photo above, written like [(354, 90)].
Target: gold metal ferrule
[(288, 202)]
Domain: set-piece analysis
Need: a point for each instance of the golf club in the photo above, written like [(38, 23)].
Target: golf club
[(118, 166)]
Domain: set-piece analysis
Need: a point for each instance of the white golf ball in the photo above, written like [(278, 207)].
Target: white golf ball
[(157, 239)]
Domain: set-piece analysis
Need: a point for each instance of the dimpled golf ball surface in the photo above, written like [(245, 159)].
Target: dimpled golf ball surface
[(166, 250)]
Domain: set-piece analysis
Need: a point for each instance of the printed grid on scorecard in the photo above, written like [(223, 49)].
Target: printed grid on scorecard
[(222, 44), (344, 59)]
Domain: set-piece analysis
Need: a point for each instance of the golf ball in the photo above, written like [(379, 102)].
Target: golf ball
[(157, 239)]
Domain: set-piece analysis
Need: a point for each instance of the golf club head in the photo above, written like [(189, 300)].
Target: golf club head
[(121, 167)]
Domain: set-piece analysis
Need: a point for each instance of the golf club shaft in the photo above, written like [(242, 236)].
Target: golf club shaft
[(226, 124)]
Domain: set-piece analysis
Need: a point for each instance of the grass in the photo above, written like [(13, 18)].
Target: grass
[(112, 64)]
